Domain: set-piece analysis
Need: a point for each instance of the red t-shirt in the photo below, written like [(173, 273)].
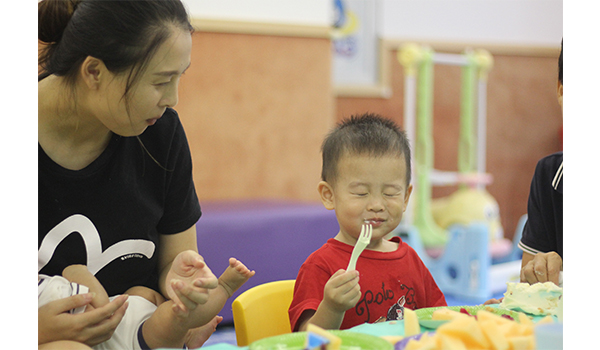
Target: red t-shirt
[(384, 279)]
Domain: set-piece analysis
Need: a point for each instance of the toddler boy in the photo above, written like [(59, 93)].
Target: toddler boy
[(365, 179)]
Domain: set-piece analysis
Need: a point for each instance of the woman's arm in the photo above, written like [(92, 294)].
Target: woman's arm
[(169, 247)]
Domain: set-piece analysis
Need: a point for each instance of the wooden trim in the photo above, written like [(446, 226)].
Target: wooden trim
[(259, 28), (375, 91), (383, 87), (494, 49)]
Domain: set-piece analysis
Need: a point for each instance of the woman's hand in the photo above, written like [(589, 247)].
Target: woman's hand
[(189, 280), (91, 328)]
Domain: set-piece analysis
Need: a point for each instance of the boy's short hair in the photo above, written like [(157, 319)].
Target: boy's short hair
[(369, 134)]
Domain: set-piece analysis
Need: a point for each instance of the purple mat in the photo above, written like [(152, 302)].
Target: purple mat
[(271, 237)]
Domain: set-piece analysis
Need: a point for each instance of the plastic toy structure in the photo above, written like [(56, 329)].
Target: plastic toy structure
[(456, 236), (468, 205)]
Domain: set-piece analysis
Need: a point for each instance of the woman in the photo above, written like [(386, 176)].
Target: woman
[(115, 183)]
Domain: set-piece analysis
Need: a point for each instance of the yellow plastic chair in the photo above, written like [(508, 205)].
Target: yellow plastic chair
[(262, 311)]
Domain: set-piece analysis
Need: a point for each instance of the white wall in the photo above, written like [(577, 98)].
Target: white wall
[(520, 22), (510, 22), (302, 12)]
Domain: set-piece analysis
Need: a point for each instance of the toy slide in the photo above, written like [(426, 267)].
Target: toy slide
[(465, 268), (423, 213)]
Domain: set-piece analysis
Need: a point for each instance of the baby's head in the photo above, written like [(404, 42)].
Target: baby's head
[(366, 173)]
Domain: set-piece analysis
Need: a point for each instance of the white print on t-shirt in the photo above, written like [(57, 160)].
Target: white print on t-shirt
[(96, 258)]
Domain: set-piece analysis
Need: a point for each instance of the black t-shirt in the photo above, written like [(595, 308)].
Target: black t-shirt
[(110, 214), (543, 231)]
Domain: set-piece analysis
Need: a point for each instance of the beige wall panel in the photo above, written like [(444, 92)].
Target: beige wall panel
[(255, 109)]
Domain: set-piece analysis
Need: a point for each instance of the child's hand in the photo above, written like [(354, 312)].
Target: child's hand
[(188, 281), (493, 301), (342, 291)]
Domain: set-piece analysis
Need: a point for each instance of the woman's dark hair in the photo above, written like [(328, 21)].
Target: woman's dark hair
[(560, 64), (369, 134), (123, 34)]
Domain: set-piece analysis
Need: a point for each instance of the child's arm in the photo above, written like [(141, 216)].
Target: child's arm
[(169, 323), (341, 293), (80, 274)]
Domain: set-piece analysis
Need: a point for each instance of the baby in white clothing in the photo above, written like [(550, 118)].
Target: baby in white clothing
[(150, 321)]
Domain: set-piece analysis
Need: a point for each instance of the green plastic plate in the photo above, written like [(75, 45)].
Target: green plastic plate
[(431, 324), (295, 341), (426, 313)]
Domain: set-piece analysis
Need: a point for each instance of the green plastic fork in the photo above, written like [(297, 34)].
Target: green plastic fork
[(363, 241)]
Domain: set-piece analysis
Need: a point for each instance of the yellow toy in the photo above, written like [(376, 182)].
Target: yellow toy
[(468, 205)]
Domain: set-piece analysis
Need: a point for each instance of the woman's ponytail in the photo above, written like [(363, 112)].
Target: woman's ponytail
[(53, 17)]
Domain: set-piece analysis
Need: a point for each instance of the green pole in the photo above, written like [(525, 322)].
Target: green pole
[(467, 146), (431, 234)]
